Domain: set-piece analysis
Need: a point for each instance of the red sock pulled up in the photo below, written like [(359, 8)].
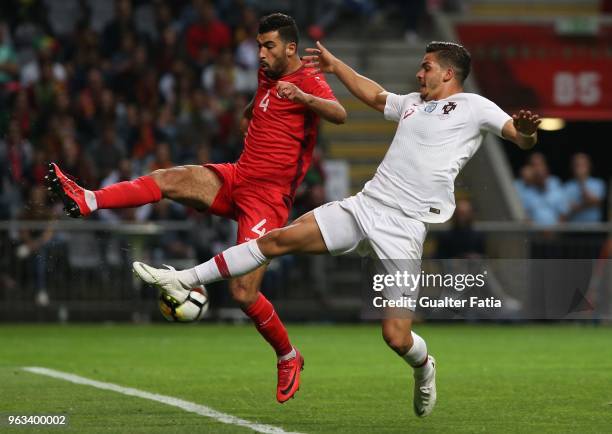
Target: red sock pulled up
[(129, 194), (269, 325)]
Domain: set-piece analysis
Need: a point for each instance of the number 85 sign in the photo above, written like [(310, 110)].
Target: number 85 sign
[(583, 88)]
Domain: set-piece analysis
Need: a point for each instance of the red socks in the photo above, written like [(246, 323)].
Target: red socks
[(269, 325), (129, 194)]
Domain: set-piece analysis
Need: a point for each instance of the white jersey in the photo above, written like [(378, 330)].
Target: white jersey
[(433, 141)]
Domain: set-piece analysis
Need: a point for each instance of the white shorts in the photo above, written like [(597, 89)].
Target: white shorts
[(366, 226)]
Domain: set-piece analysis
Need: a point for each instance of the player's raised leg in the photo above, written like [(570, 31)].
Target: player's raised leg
[(398, 334), (302, 236), (194, 186)]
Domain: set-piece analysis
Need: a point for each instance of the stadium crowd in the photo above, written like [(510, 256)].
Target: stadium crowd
[(114, 90)]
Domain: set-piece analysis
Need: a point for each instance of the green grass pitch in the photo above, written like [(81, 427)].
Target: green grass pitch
[(491, 379)]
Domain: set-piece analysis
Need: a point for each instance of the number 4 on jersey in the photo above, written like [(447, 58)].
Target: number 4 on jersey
[(258, 229), (265, 101)]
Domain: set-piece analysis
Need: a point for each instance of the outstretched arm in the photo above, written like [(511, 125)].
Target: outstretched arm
[(328, 109), (368, 91), (522, 129)]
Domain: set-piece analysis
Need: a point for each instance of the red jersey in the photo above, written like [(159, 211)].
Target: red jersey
[(282, 134)]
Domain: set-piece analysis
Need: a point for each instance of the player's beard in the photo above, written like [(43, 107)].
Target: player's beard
[(276, 70)]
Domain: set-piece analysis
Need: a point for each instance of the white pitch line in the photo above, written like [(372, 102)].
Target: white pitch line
[(192, 407)]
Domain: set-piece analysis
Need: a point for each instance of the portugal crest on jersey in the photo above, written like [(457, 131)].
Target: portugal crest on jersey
[(448, 107)]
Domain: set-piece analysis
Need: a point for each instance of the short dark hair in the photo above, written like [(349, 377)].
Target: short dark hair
[(452, 54), (287, 29)]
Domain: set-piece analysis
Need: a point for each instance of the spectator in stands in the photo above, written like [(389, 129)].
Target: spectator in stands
[(17, 153), (207, 37), (8, 58), (198, 118), (47, 87), (167, 50), (108, 151), (143, 139), (23, 112), (74, 156), (584, 193), (89, 100), (123, 172), (328, 11), (162, 159), (106, 113), (225, 69), (38, 169), (412, 13), (311, 193), (166, 125), (544, 200), (33, 70), (165, 19), (525, 183), (461, 241), (14, 159), (247, 51), (122, 24), (35, 245)]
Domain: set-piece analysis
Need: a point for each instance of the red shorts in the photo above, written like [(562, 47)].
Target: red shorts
[(257, 209)]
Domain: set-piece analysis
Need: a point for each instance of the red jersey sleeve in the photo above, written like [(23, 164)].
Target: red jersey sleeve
[(316, 85)]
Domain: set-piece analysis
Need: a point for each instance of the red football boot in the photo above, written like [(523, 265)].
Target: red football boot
[(289, 377), (72, 194)]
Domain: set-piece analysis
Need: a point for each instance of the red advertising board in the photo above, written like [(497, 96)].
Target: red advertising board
[(533, 66)]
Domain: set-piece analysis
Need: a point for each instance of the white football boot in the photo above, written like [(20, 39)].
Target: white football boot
[(425, 391), (165, 279)]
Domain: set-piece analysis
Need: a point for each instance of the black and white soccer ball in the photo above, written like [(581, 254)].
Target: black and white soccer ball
[(191, 309)]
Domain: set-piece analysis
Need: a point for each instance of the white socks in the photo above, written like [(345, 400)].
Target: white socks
[(290, 355), (235, 261), (90, 200), (417, 355)]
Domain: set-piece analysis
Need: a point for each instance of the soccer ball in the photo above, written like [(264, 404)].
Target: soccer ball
[(191, 309)]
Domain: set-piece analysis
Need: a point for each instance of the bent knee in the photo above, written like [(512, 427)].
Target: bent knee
[(170, 180), (242, 293), (398, 342), (274, 243)]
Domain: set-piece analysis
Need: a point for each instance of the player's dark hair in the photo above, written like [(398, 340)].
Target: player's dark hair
[(287, 29), (455, 55)]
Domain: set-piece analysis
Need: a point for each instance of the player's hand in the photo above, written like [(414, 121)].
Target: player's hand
[(291, 92), (320, 59), (525, 122)]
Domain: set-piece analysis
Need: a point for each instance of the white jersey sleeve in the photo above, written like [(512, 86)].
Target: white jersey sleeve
[(394, 107), (488, 115)]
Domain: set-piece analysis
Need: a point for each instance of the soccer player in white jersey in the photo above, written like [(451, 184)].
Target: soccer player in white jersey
[(439, 129)]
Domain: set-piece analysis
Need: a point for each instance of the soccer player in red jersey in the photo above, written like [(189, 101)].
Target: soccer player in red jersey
[(281, 125)]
